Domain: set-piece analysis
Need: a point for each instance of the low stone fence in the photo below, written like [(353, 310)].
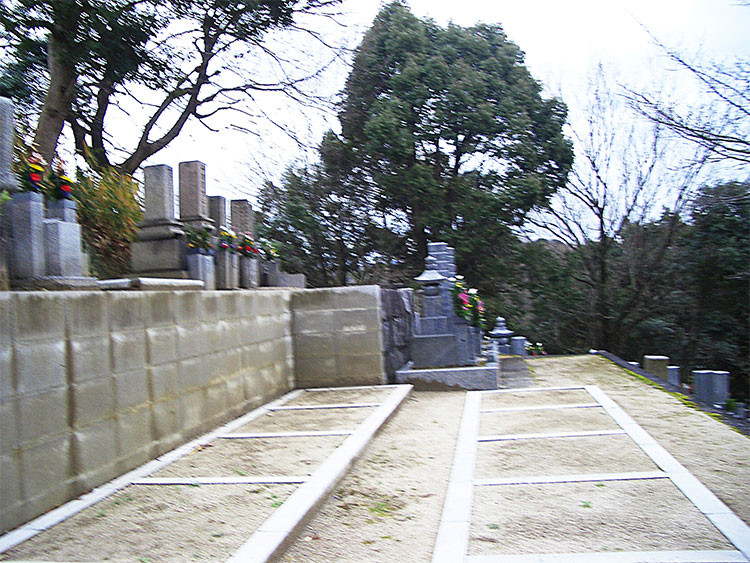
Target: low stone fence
[(93, 384)]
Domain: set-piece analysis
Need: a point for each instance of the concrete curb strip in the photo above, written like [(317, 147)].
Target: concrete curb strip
[(277, 532)]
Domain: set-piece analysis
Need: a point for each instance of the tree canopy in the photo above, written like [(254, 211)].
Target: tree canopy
[(447, 134), (186, 54)]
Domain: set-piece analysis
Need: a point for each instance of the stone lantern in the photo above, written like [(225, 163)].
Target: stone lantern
[(500, 336), (430, 279)]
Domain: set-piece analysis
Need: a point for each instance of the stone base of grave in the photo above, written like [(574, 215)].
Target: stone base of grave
[(159, 258), (57, 283), (435, 351), (473, 378), (150, 284)]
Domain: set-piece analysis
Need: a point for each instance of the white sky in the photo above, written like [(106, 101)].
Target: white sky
[(562, 39)]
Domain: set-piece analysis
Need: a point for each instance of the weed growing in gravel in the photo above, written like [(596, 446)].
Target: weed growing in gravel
[(381, 509), (586, 504)]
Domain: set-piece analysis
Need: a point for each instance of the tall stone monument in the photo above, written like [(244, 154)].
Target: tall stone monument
[(160, 247), (193, 199), (243, 221)]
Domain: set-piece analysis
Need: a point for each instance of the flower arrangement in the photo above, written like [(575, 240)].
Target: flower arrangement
[(247, 246), (227, 240), (199, 239), (62, 186), (31, 172), (270, 250), (467, 304), (536, 349)]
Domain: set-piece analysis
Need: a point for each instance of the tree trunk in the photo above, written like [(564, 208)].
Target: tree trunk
[(57, 102)]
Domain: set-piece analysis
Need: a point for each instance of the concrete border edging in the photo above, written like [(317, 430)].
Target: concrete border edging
[(275, 534)]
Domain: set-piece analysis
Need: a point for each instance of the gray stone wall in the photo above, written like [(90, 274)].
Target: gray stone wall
[(93, 384), (396, 317), (337, 337)]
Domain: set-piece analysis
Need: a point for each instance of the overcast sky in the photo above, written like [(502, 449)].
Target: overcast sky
[(562, 39)]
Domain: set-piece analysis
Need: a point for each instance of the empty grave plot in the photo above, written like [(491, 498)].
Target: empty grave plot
[(561, 456), (344, 397), (253, 457), (545, 421), (307, 420), (535, 398), (642, 515), (159, 523)]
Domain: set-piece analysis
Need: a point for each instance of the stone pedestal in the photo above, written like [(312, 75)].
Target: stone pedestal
[(201, 267), (62, 246), (656, 365), (27, 230), (711, 387), (518, 345), (227, 270), (63, 210), (674, 375), (249, 272)]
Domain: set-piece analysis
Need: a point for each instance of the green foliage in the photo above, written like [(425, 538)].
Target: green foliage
[(109, 212), (198, 238)]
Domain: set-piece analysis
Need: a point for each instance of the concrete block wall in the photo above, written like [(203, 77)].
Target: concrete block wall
[(338, 339), (93, 384)]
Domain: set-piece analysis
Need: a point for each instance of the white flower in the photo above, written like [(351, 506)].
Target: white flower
[(472, 291)]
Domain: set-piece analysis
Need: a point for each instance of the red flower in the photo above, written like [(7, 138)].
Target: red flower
[(35, 177), (66, 188)]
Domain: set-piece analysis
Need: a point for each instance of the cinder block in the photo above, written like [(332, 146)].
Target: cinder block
[(189, 341), (264, 354), (249, 331), (211, 307), (313, 372), (231, 334), (42, 416), (159, 308), (355, 343), (161, 345), (134, 435), (193, 410), (131, 389), (10, 493), (95, 446), (358, 320), (233, 361), (215, 365), (193, 372), (8, 426), (128, 351), (45, 470), (229, 305), (211, 335), (39, 365), (39, 316), (314, 321), (86, 313), (188, 307), (355, 297), (216, 400), (249, 354), (276, 329), (236, 394), (7, 320), (96, 454), (167, 418), (362, 370), (125, 310), (248, 304), (89, 357), (273, 302), (7, 381), (92, 401), (164, 382)]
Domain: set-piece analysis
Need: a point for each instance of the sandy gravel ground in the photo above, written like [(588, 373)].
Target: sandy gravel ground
[(389, 506)]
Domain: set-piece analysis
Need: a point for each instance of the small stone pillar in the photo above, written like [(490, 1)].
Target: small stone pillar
[(7, 139), (674, 375), (711, 387), (657, 365), (62, 240), (27, 231), (160, 250), (518, 345), (500, 336), (227, 261), (217, 210), (193, 200)]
